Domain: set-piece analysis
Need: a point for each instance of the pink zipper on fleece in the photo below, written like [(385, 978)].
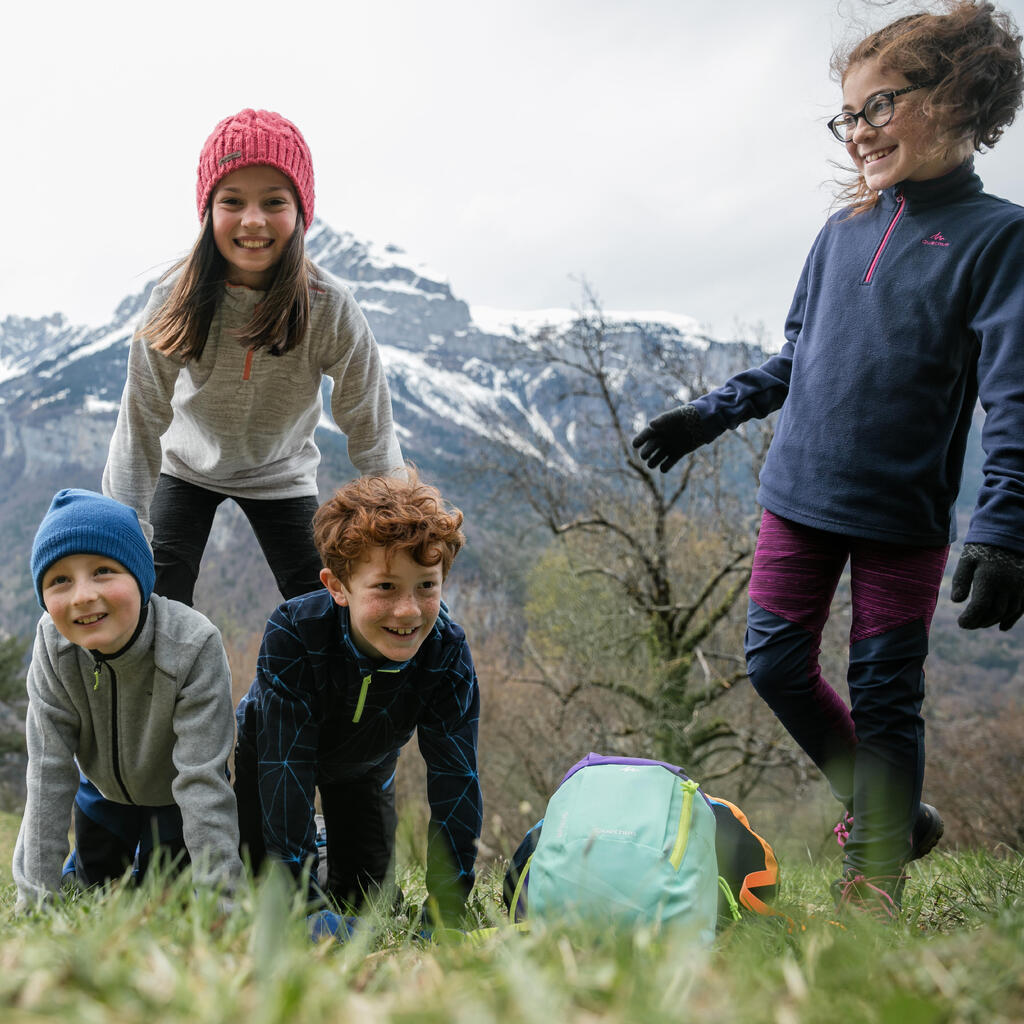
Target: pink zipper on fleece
[(885, 238)]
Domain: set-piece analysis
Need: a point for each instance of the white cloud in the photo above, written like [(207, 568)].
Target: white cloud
[(672, 152)]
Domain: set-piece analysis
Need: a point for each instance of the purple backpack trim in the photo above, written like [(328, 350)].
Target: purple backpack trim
[(592, 759)]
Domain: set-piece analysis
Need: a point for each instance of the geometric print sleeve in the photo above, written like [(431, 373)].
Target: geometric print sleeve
[(447, 737), (286, 744)]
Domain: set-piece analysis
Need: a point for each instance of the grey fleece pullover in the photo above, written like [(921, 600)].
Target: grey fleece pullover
[(151, 725), (239, 421)]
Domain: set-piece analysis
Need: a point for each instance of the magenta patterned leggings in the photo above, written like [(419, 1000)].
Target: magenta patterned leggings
[(871, 752)]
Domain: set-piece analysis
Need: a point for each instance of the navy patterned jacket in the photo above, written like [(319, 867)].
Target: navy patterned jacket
[(320, 710)]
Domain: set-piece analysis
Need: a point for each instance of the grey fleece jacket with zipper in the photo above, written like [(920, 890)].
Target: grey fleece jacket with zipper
[(151, 725), (240, 421)]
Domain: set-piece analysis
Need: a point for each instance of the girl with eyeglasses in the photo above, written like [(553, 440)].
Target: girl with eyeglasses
[(222, 396), (910, 306)]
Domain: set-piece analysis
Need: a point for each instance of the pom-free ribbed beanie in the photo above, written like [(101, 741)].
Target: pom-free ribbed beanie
[(256, 137), (86, 523)]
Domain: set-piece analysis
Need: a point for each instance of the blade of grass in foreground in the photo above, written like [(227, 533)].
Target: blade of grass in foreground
[(162, 953)]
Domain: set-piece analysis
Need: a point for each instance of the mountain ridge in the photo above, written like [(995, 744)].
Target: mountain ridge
[(60, 386)]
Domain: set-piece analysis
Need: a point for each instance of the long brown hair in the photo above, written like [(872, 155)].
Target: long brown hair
[(180, 327), (970, 60)]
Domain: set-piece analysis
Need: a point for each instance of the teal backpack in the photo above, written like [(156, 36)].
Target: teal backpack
[(625, 841)]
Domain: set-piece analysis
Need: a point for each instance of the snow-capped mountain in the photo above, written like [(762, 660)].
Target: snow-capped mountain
[(60, 385)]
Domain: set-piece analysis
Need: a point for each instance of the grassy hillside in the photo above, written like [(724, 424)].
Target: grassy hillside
[(168, 956)]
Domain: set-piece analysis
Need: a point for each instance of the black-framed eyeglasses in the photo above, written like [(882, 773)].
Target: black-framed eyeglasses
[(877, 112)]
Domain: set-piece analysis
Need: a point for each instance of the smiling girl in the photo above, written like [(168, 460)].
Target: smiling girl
[(222, 396), (910, 307)]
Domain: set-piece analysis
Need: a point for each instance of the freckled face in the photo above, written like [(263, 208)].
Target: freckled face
[(905, 148), (392, 608), (94, 601), (254, 212)]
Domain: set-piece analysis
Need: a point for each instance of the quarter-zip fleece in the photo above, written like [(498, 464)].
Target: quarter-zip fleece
[(903, 316), (318, 709), (157, 730), (242, 423)]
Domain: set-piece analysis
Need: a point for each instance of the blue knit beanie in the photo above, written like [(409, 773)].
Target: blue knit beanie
[(86, 523)]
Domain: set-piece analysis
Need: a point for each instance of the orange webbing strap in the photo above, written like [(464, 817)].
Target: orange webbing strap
[(768, 875)]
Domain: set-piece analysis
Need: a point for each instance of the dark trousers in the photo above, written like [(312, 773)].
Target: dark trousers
[(872, 752), (110, 837), (360, 819), (182, 515)]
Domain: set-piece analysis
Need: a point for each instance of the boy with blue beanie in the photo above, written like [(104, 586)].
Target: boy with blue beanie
[(130, 714)]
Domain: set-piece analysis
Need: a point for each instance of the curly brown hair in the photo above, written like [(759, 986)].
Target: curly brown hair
[(970, 60), (390, 512)]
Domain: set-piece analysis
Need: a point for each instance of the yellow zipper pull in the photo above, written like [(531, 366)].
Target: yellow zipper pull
[(96, 676), (362, 698), (689, 788)]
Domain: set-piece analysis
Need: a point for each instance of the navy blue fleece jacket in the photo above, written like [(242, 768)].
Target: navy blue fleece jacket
[(903, 316), (318, 709)]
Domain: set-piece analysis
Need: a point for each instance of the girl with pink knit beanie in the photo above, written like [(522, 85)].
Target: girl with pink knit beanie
[(224, 373)]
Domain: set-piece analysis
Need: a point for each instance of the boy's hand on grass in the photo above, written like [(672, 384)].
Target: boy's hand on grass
[(436, 919), (994, 579)]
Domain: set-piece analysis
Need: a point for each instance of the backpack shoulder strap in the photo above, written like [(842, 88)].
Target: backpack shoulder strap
[(518, 891)]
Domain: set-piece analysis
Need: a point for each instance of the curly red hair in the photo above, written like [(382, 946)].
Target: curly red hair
[(389, 512)]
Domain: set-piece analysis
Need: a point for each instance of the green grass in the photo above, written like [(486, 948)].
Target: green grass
[(164, 954)]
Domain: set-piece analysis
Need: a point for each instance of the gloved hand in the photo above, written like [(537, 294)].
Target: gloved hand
[(994, 577), (670, 436)]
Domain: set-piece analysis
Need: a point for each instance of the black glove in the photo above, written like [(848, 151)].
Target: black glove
[(994, 577), (670, 436)]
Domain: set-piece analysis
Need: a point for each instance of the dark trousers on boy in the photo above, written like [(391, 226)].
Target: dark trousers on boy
[(360, 819), (111, 838)]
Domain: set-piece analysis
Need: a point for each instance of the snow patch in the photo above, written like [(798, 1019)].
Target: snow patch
[(95, 404), (57, 396), (529, 321)]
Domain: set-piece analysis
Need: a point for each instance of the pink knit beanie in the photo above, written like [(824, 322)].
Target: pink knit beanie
[(256, 137)]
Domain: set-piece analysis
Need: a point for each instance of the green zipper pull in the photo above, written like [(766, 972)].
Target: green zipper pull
[(683, 835), (729, 898), (362, 698)]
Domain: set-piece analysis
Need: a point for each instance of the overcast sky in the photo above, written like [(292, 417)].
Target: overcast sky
[(673, 153)]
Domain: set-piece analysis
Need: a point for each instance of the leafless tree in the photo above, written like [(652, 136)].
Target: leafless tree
[(664, 559)]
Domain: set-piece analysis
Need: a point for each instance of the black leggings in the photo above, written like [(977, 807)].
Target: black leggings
[(182, 515)]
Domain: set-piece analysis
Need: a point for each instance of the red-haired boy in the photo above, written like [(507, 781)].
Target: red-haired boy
[(345, 676)]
